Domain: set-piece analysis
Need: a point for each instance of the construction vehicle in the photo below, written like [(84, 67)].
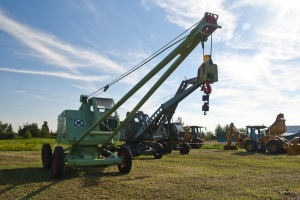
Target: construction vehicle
[(138, 147), (260, 138), (71, 125), (91, 132), (193, 136), (234, 134), (293, 146), (172, 138), (138, 133)]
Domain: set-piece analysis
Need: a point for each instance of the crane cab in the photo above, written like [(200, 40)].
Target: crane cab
[(72, 124)]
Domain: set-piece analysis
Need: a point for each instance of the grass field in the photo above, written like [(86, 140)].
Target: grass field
[(34, 144), (203, 174)]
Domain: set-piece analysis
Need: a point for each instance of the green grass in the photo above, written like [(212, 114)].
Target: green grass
[(32, 144), (202, 174)]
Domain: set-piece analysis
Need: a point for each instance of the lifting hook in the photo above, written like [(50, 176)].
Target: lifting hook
[(206, 88)]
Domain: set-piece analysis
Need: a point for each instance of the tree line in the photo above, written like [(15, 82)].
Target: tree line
[(26, 131), (32, 130)]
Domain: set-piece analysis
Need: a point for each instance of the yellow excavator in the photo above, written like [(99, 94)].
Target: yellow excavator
[(260, 139)]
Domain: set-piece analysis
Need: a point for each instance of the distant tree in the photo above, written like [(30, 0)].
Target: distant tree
[(45, 125), (27, 134), (226, 128), (23, 130), (221, 131), (32, 128), (3, 127), (44, 130), (10, 129), (210, 136), (6, 131)]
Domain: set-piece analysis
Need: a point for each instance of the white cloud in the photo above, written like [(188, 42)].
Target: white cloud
[(49, 49), (257, 55), (187, 13), (59, 74)]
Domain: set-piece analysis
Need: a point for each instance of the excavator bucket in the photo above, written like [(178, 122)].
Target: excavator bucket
[(294, 147), (278, 127)]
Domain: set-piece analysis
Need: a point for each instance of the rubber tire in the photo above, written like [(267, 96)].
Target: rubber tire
[(46, 156), (185, 149), (251, 146), (159, 150), (125, 154), (274, 147), (58, 162), (196, 140), (167, 148)]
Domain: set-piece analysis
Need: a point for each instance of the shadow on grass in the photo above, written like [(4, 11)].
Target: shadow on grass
[(242, 153), (22, 176), (144, 158), (11, 178)]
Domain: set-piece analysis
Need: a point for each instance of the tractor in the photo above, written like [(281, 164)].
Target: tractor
[(261, 138), (193, 136)]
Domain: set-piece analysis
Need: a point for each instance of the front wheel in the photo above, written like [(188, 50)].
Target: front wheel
[(46, 156), (125, 155), (158, 150), (167, 148), (196, 143), (273, 147), (251, 146), (185, 149), (58, 162)]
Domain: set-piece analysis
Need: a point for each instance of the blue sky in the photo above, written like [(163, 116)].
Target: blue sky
[(51, 52)]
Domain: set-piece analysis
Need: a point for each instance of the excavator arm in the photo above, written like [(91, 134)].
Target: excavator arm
[(207, 74)]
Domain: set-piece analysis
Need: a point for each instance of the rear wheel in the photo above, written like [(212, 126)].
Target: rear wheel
[(159, 150), (46, 156), (125, 155), (251, 146), (274, 147), (196, 143), (58, 162), (185, 149)]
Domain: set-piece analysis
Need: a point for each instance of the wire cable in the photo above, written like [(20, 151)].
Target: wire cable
[(155, 54), (154, 104)]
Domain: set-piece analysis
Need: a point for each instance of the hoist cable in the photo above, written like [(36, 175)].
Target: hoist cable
[(158, 52), (154, 104)]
